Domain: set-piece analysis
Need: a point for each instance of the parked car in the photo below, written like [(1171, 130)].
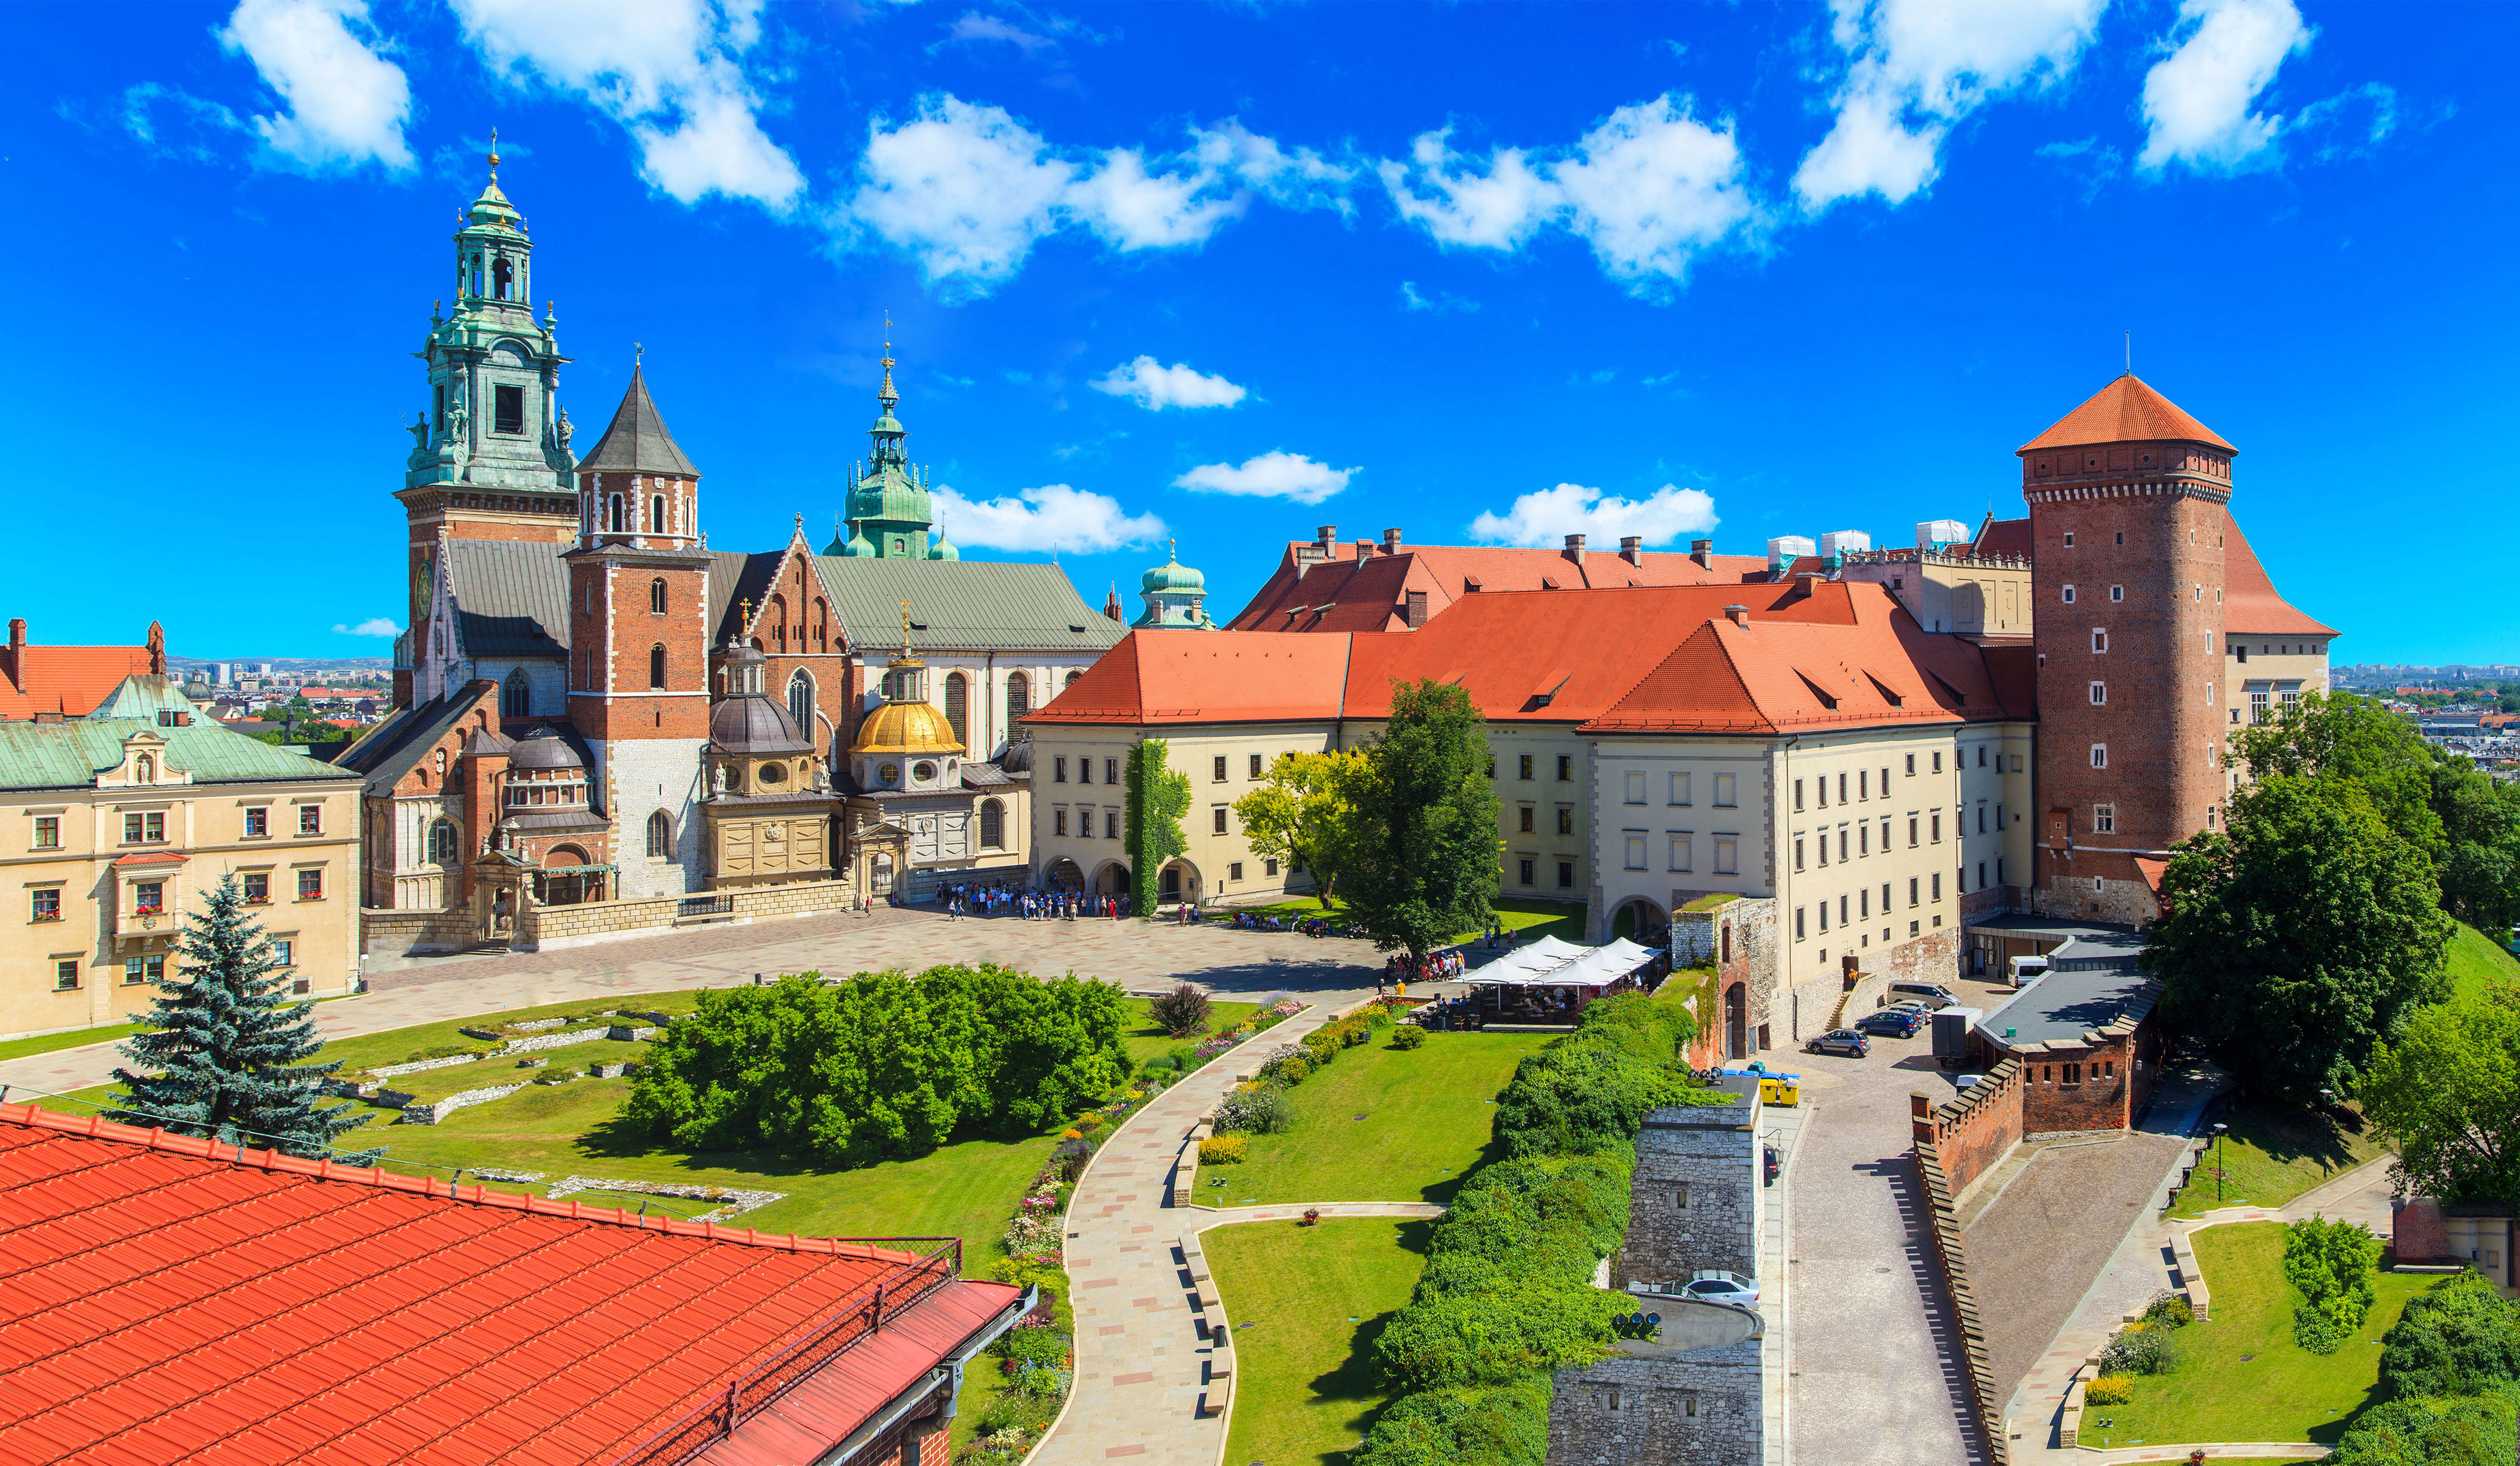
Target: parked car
[(1844, 1041), (1894, 1023), (1713, 1285), (1933, 996), (1773, 1161)]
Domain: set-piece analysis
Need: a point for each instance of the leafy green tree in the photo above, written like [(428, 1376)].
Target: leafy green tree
[(1422, 863), (2333, 1264), (2446, 1093), (2299, 937), (2431, 1432), (1304, 813), (1158, 798), (2458, 1337), (224, 1047)]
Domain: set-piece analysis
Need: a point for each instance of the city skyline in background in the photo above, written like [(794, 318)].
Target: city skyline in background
[(1219, 277)]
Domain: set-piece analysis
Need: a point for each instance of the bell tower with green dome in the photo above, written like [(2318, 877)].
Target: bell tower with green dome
[(889, 512), (1176, 597)]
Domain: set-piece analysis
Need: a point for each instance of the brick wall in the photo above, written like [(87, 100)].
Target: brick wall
[(2098, 1082), (1695, 1199), (1977, 1366), (1974, 1131), (1697, 1408)]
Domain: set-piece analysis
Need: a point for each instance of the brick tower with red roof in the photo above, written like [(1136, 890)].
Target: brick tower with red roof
[(2128, 511)]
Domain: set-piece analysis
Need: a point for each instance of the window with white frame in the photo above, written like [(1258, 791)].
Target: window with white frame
[(1635, 782), (1724, 791), (2100, 638), (2099, 693), (1681, 841), (1636, 849), (2099, 755), (1679, 794), (1727, 857), (2069, 595), (2104, 818)]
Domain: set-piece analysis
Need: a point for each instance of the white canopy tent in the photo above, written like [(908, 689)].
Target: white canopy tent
[(1552, 963), (1523, 967)]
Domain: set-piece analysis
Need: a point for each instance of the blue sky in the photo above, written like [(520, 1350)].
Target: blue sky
[(1228, 273)]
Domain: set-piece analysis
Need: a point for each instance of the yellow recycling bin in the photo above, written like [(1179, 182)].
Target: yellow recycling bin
[(1782, 1090)]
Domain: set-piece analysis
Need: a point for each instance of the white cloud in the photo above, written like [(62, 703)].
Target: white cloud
[(1440, 302), (1545, 516), (1275, 474), (2196, 102), (668, 70), (1054, 516), (976, 26), (970, 189), (1649, 188), (1918, 67), (1155, 387), (373, 626), (346, 103)]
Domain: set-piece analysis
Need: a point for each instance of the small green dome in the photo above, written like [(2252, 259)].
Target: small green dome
[(1173, 575), (860, 545), (943, 549)]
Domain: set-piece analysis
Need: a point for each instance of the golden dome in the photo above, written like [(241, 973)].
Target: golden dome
[(906, 727)]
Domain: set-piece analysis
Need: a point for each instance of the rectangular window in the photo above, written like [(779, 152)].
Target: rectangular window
[(47, 904), (1981, 755), (1821, 791), (1268, 867), (1636, 852), (1841, 788), (2099, 693), (1863, 904), (1255, 767), (1912, 766), (1727, 861), (1798, 796), (1724, 791), (149, 896), (1679, 851), (1938, 761), (310, 818), (1636, 788), (1110, 823), (1798, 852), (1680, 788), (1525, 766), (1912, 831), (2100, 639), (1565, 768), (65, 977), (310, 884), (1885, 905), (1998, 860), (1085, 771), (1528, 878), (47, 831), (1864, 839), (1911, 894), (1220, 768), (1841, 842), (1799, 933), (1526, 819), (1841, 911), (1565, 820), (144, 829), (284, 951), (1981, 875), (1938, 826), (2104, 818), (1567, 875), (2257, 704), (509, 405), (258, 885), (1111, 771), (1938, 885), (1218, 815), (1824, 918), (1058, 822), (2118, 592), (139, 971), (1234, 870), (2099, 755), (1823, 849), (2069, 595), (1059, 771)]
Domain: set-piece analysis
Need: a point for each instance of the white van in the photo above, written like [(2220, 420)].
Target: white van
[(2026, 970)]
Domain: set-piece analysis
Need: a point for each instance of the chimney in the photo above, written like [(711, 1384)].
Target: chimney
[(1741, 614), (1575, 549), (1631, 549), (1417, 612), (1364, 550), (1702, 551), (1808, 583), (17, 635), (1391, 542), (1325, 537)]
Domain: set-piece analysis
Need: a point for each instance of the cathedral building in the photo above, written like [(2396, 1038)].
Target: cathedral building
[(593, 708)]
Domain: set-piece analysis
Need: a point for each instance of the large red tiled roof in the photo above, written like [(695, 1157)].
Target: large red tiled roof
[(2002, 537), (1638, 657), (1364, 589), (162, 1300), (66, 680), (2251, 604), (2126, 410)]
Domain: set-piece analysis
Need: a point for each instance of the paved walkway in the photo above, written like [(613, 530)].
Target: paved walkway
[(1140, 1362), (1136, 954)]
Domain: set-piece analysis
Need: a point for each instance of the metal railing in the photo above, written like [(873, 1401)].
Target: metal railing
[(705, 905)]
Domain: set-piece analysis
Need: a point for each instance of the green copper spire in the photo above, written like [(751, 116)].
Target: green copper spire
[(889, 511), (1176, 595)]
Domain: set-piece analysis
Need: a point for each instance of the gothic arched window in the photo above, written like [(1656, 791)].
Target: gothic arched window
[(656, 595), (657, 667), (1018, 697), (515, 699), (801, 703), (958, 695), (656, 514), (613, 514), (442, 842), (660, 835), (993, 824)]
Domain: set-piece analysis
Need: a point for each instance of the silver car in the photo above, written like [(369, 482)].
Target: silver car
[(1713, 1285)]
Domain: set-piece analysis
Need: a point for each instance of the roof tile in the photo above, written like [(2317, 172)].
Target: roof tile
[(2126, 410)]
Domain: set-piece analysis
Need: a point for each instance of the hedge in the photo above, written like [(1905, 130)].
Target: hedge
[(1507, 1298)]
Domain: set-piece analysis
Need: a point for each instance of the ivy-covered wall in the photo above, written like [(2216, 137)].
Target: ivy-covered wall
[(1158, 796)]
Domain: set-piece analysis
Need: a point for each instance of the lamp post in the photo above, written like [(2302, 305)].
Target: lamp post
[(2219, 1128)]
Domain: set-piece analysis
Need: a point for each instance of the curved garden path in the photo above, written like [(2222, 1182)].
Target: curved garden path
[(1140, 1361)]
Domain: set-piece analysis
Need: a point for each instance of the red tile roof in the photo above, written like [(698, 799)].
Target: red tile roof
[(66, 680), (1349, 593), (2126, 410), (162, 1300), (2251, 604), (2002, 537), (1655, 657)]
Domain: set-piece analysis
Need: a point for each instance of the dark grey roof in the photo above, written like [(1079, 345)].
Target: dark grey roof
[(734, 578), (510, 598), (637, 442), (985, 777), (963, 605), (1017, 759), (544, 821), (393, 746), (2066, 1004), (752, 722), (544, 748)]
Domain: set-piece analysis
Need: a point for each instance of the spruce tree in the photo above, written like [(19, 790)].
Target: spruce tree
[(226, 1045)]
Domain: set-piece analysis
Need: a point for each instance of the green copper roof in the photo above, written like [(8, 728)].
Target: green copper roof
[(69, 755)]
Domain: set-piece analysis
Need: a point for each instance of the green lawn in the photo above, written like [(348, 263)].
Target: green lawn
[(77, 1038), (2273, 1153), (2281, 1393), (1425, 1121), (1307, 1303), (1529, 920), (2475, 961), (1146, 1039)]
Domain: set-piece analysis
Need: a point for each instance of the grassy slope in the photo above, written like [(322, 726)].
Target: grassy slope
[(1427, 1121), (1307, 1303), (2273, 1154), (77, 1038), (1145, 1039), (2284, 1393), (2475, 962)]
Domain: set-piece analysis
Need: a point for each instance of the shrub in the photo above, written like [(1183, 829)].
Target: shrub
[(1035, 1343), (2138, 1350), (1321, 1045), (1222, 1150), (1182, 1011), (1260, 1110), (2432, 1432), (2333, 1264), (2315, 1330), (2458, 1337), (2170, 1311), (2108, 1390), (1089, 1122), (1290, 1068), (1409, 1036)]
